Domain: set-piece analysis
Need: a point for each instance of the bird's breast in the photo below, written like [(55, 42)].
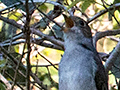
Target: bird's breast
[(76, 68)]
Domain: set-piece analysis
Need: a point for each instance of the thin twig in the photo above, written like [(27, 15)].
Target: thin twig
[(14, 60), (110, 11), (42, 65), (48, 60), (40, 83), (12, 79), (46, 15), (6, 82), (49, 75), (35, 31), (11, 6), (103, 12)]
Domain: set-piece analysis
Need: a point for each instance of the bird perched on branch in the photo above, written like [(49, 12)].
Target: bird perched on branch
[(80, 67)]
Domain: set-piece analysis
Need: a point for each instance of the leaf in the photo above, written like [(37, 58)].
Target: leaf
[(7, 31), (15, 16), (20, 6), (115, 24), (43, 7), (111, 12), (84, 6), (9, 2), (116, 1), (73, 4), (2, 63), (2, 86), (57, 32)]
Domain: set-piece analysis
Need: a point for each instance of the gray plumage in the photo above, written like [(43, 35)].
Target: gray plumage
[(80, 67)]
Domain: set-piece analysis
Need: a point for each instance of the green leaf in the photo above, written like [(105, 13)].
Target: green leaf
[(117, 1), (43, 7), (15, 16), (84, 6), (2, 63), (2, 86), (115, 24), (73, 4), (7, 31)]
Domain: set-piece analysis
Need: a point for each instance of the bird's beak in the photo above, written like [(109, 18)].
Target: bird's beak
[(68, 23)]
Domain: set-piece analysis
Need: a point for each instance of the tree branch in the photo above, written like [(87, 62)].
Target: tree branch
[(34, 31), (51, 2), (115, 6), (14, 62), (11, 21), (100, 35), (113, 56), (11, 6), (27, 38), (6, 82)]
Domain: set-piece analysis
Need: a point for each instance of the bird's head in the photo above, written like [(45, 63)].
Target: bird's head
[(76, 27)]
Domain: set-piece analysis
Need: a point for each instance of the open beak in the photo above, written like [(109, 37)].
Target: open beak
[(68, 23)]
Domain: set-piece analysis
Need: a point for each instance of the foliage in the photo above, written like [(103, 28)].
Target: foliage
[(84, 4), (2, 86), (31, 39)]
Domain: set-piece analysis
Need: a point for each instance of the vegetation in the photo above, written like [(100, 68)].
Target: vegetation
[(31, 40)]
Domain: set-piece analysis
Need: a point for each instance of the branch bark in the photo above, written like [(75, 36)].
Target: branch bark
[(6, 82), (27, 33), (34, 31), (113, 56), (100, 35)]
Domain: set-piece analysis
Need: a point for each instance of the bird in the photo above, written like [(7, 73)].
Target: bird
[(80, 67)]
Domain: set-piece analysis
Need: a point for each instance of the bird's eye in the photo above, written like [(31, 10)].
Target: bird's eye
[(82, 23)]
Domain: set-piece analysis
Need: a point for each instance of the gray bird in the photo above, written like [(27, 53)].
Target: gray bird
[(80, 67)]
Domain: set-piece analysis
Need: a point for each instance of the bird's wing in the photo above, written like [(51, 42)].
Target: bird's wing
[(101, 77)]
